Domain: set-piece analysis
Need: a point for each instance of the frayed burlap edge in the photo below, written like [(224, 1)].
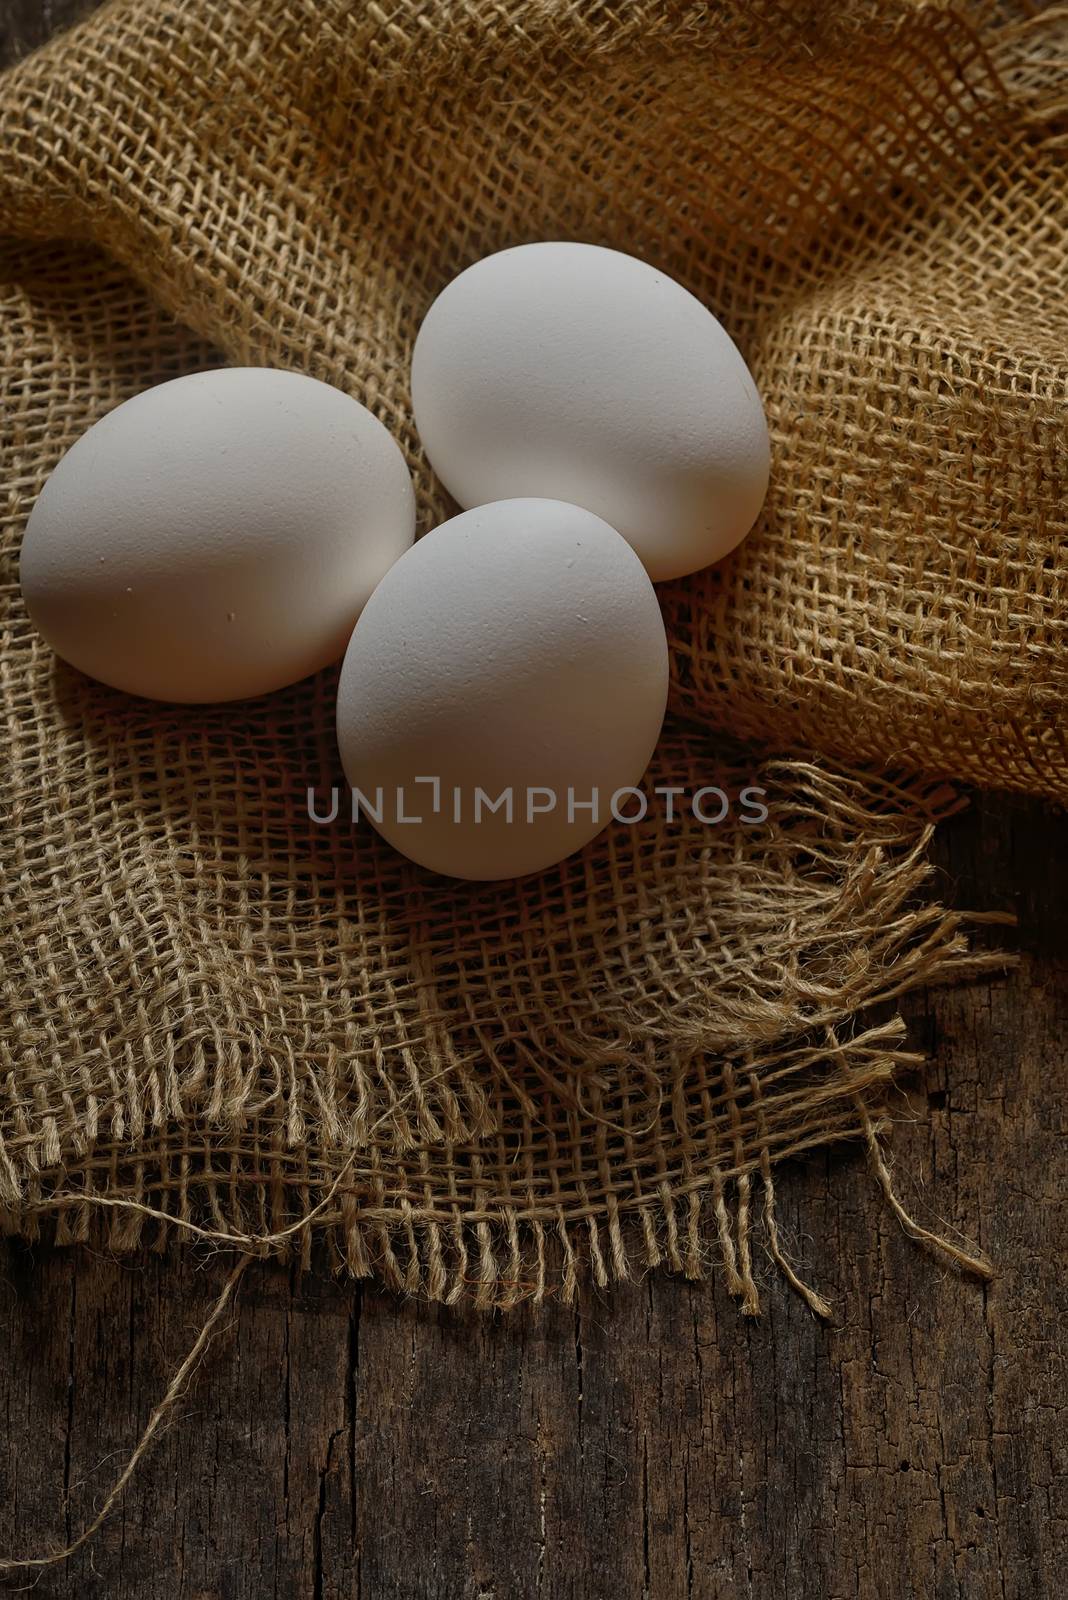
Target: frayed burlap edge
[(498, 1256)]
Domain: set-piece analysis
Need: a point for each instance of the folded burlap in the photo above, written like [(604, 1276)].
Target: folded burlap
[(223, 1014)]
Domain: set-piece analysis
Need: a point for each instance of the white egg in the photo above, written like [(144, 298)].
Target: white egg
[(586, 375), (217, 536), (519, 651)]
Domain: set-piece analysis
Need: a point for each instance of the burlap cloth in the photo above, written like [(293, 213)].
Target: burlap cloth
[(218, 1012)]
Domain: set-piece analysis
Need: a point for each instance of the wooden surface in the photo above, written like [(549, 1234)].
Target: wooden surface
[(653, 1442), (650, 1443)]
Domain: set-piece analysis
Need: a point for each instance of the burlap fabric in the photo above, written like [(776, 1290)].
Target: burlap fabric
[(218, 1012)]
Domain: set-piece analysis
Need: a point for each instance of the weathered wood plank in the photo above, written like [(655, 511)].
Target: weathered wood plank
[(341, 1442)]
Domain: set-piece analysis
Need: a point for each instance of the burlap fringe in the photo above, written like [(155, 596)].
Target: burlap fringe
[(498, 1260)]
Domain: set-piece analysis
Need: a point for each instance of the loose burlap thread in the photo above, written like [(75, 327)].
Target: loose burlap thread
[(225, 1020)]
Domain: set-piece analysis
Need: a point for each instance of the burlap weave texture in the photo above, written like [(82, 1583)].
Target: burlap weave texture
[(211, 1003)]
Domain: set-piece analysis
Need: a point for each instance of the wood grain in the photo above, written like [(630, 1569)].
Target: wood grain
[(653, 1442), (650, 1443)]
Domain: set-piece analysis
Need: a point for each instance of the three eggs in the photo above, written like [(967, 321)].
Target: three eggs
[(229, 532)]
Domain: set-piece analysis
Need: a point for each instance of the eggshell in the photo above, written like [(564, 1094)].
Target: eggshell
[(587, 375), (217, 536), (519, 646)]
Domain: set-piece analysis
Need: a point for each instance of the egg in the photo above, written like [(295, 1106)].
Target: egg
[(217, 536), (505, 682), (586, 375)]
